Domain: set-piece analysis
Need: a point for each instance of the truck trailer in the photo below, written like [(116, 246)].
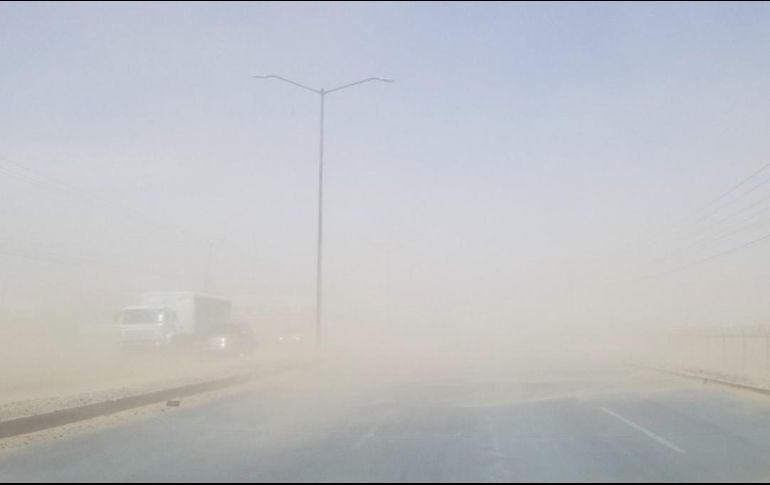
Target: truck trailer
[(167, 317)]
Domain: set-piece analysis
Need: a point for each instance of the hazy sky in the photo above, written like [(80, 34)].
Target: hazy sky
[(520, 150)]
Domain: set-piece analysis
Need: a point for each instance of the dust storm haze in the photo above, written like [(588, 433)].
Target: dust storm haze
[(543, 185)]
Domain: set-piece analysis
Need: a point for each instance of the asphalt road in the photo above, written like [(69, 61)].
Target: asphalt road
[(621, 425)]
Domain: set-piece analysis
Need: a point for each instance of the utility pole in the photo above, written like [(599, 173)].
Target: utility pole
[(320, 242), (319, 257), (208, 269)]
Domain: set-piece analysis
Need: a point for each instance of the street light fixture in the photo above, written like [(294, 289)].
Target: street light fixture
[(319, 261)]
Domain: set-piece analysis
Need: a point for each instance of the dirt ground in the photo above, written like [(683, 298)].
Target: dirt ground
[(39, 373)]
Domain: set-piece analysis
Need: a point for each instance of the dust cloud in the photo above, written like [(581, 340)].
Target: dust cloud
[(543, 189)]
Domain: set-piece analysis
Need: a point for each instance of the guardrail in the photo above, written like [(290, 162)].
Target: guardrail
[(743, 354), (707, 378), (740, 354)]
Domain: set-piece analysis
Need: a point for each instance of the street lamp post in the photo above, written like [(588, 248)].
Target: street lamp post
[(319, 257)]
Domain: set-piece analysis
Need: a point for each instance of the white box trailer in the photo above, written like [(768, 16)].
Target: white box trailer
[(164, 317)]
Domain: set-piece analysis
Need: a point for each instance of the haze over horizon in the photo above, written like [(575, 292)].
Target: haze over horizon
[(525, 169)]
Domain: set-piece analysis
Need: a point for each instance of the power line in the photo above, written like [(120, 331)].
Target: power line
[(695, 216), (75, 261), (738, 185), (735, 187), (704, 237), (731, 230), (37, 179), (744, 210), (68, 261), (711, 258)]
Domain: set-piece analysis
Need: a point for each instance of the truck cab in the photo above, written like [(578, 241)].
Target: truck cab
[(147, 325)]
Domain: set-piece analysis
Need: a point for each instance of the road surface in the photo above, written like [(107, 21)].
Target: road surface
[(619, 425)]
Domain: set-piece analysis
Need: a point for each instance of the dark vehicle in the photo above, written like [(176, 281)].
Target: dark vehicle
[(232, 340)]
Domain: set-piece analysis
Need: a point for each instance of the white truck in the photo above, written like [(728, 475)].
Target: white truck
[(167, 317)]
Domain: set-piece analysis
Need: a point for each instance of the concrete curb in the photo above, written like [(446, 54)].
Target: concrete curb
[(716, 380), (39, 422)]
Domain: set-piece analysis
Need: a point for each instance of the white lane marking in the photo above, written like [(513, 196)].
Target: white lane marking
[(372, 432), (658, 439), (365, 438), (499, 404)]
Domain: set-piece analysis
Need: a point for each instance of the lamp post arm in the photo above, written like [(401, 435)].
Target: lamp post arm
[(345, 86), (289, 81)]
